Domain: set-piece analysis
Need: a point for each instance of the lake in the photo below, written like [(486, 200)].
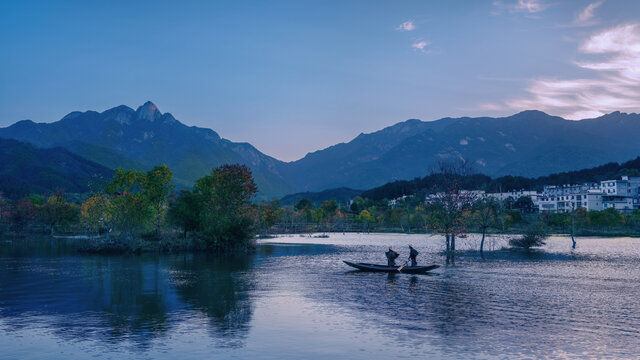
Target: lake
[(295, 299)]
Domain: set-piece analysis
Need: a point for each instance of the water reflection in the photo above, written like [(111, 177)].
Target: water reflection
[(290, 299), (123, 298), (218, 287)]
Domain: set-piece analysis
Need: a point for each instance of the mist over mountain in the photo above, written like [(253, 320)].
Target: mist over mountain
[(530, 143)]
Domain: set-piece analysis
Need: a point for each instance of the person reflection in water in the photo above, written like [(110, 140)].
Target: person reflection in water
[(413, 253), (391, 257)]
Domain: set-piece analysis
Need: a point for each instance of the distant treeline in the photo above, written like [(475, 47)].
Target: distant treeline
[(434, 182)]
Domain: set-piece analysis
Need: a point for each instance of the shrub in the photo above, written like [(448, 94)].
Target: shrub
[(534, 236)]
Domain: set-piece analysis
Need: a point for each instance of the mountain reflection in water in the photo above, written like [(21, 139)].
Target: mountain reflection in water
[(295, 299)]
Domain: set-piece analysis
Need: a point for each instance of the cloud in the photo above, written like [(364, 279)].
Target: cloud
[(406, 26), (587, 16), (419, 45), (614, 84), (521, 6)]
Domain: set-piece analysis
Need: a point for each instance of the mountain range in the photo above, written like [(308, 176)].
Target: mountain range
[(530, 143)]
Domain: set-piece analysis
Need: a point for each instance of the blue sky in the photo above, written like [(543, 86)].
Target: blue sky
[(292, 77)]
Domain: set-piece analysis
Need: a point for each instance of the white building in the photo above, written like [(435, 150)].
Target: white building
[(622, 195)]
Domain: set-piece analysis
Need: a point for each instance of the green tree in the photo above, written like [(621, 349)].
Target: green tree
[(366, 219), (184, 212), (305, 207), (607, 218), (157, 186), (269, 213), (129, 207), (226, 209), (56, 210), (95, 213), (357, 205)]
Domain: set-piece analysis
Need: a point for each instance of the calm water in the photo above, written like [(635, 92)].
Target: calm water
[(294, 299)]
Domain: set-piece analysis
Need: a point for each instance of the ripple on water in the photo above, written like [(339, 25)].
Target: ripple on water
[(295, 298)]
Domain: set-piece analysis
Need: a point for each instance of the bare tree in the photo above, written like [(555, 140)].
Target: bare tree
[(485, 215), (451, 203)]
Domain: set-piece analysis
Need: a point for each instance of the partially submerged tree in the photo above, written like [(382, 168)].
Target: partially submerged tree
[(449, 206), (485, 215), (534, 236)]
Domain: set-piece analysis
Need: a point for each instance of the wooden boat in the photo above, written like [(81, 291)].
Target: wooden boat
[(385, 268)]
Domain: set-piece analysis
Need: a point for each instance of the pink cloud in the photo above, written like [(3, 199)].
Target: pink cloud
[(406, 26), (613, 86), (420, 45)]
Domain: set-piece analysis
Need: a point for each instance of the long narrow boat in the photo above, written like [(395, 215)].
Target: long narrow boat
[(385, 268)]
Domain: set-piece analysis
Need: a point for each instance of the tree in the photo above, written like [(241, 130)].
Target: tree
[(534, 236), (95, 214), (129, 207), (485, 215), (185, 212), (608, 218), (226, 209), (157, 186), (366, 219), (329, 210), (269, 213), (21, 213), (450, 205), (305, 207), (4, 211), (357, 205), (56, 210), (524, 204)]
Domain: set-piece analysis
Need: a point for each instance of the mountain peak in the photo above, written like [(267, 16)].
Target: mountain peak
[(149, 111)]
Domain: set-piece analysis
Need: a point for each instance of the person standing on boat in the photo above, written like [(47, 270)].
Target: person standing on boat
[(413, 253), (391, 257)]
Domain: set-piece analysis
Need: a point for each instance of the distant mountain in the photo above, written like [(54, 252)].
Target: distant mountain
[(142, 138), (26, 169), (530, 143), (341, 195)]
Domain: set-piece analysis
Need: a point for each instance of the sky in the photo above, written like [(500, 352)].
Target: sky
[(292, 77)]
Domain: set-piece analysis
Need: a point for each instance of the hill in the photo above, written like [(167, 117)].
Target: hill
[(430, 183), (26, 169), (341, 195)]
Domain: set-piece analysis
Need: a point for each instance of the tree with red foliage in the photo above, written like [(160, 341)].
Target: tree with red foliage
[(21, 213)]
